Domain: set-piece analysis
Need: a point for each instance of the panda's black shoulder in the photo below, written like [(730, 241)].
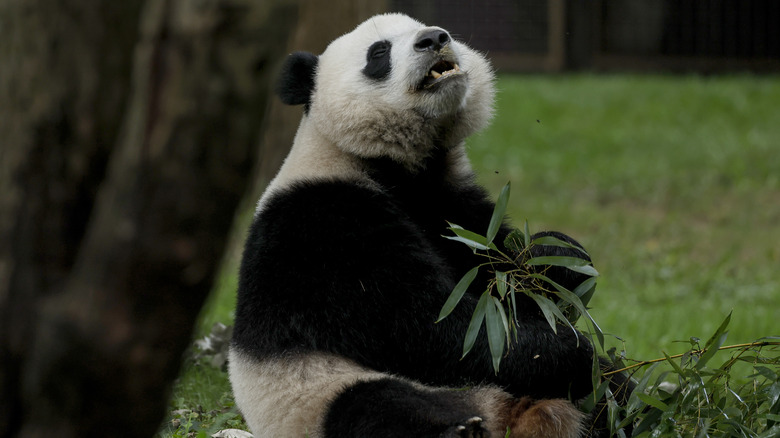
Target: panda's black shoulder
[(313, 204), (307, 248), (312, 192), (319, 218)]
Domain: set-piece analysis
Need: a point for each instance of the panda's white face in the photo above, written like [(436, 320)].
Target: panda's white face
[(389, 59), (396, 88)]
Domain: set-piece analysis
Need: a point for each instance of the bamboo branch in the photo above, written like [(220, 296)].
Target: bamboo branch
[(697, 352)]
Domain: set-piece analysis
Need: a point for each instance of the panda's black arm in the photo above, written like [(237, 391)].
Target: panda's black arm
[(469, 205), (368, 284)]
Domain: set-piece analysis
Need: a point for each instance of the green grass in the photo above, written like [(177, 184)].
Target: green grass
[(672, 183)]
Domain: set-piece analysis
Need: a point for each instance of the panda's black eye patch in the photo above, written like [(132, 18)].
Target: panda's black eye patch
[(378, 60), (378, 50)]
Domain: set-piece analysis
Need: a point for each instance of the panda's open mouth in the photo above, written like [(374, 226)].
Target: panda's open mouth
[(439, 72)]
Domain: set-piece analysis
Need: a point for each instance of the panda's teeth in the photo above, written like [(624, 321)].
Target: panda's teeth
[(440, 70)]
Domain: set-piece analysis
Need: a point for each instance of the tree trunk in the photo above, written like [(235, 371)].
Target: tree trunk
[(126, 149)]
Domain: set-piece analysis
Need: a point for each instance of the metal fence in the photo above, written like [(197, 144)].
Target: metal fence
[(644, 35)]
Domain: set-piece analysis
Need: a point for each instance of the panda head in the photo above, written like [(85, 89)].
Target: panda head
[(392, 88)]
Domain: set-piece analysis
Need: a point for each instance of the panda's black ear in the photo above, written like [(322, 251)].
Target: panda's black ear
[(296, 81)]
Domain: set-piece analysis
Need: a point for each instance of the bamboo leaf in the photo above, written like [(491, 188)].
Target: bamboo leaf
[(470, 238), (501, 283), (503, 315), (515, 241), (569, 297), (564, 293), (457, 293), (554, 241), (512, 288), (766, 372), (634, 400), (663, 390), (721, 329), (773, 397), (585, 290), (476, 323), (550, 311), (674, 365), (590, 401), (773, 417), (711, 350), (739, 399), (772, 432), (495, 332), (648, 421), (470, 243), (595, 375), (574, 263), (652, 401), (499, 212), (613, 412), (714, 343), (459, 231), (526, 235), (546, 307)]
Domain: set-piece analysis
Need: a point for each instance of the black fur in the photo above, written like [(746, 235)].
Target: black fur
[(335, 267), (393, 408), (378, 60), (296, 81), (332, 266)]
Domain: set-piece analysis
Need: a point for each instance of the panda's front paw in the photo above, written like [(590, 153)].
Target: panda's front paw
[(469, 428)]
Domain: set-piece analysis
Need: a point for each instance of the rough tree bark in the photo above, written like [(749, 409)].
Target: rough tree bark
[(129, 132)]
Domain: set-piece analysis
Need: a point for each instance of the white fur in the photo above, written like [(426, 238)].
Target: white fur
[(287, 397), (312, 158), (353, 117), (372, 118)]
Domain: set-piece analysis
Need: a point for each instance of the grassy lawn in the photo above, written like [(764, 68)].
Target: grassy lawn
[(672, 183)]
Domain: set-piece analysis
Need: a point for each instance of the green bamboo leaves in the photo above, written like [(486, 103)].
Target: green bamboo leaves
[(457, 293), (695, 397), (476, 322), (499, 212), (512, 270), (692, 397)]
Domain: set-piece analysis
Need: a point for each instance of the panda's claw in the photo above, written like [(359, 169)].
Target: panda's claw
[(469, 428)]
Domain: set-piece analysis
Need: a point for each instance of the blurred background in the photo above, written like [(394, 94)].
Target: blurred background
[(705, 36), (136, 137)]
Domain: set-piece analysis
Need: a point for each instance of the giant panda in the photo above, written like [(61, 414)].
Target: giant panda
[(345, 268)]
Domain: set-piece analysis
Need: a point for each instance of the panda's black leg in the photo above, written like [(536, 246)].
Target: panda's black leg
[(392, 407)]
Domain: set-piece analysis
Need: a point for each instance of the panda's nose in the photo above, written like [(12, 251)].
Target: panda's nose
[(431, 39)]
